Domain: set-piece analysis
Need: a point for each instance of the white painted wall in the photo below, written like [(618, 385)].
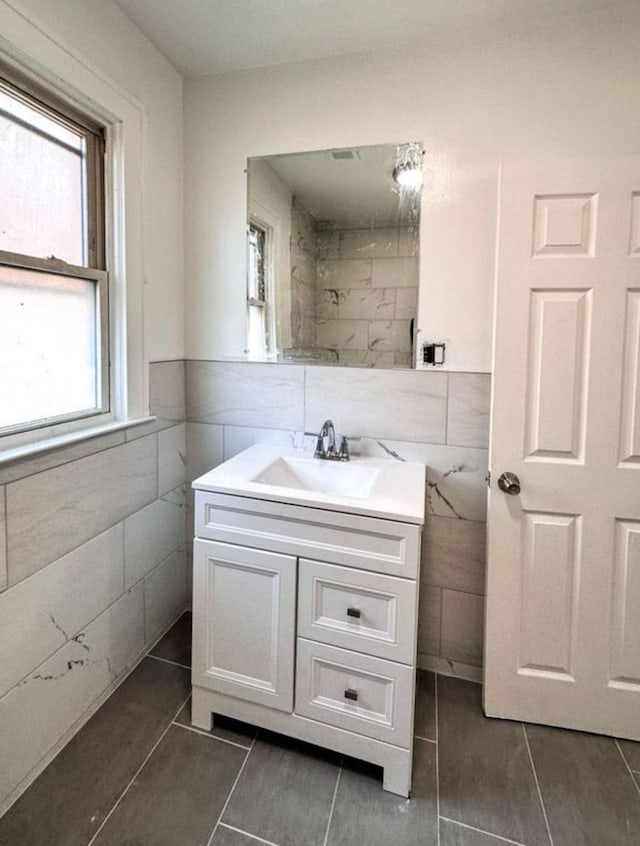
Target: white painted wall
[(98, 33), (570, 86)]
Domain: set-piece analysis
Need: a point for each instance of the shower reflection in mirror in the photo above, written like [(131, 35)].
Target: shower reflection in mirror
[(333, 245)]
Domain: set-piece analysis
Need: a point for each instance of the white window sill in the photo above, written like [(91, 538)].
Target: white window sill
[(27, 450)]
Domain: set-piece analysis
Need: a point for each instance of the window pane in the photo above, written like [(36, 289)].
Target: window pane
[(48, 345), (42, 174), (257, 340), (257, 243)]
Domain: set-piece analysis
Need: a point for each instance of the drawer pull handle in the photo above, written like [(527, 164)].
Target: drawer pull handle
[(353, 612), (351, 694)]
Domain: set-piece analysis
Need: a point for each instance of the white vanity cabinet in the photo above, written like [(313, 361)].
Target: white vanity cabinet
[(305, 623)]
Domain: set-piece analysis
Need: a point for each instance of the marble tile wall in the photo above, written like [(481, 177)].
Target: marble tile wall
[(438, 418), (367, 293), (92, 571), (93, 559), (303, 278)]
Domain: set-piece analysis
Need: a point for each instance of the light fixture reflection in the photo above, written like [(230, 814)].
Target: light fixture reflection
[(408, 169)]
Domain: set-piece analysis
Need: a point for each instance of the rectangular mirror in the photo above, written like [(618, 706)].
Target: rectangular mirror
[(333, 246)]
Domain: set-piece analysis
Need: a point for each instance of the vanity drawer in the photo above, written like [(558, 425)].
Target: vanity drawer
[(355, 692), (370, 543), (366, 612)]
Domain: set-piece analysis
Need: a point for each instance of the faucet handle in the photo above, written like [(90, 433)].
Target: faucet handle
[(343, 453), (345, 440)]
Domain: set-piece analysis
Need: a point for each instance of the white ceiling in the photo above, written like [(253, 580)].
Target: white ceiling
[(203, 37), (347, 193)]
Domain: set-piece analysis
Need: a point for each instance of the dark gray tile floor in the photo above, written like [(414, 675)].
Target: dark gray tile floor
[(138, 774)]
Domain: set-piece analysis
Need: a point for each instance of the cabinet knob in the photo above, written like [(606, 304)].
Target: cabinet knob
[(351, 694), (353, 612)]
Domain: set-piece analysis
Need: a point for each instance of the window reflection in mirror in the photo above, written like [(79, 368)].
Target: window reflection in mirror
[(333, 243)]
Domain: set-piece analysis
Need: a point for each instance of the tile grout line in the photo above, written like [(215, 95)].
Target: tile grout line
[(304, 400), (333, 803), (435, 696), (626, 763), (157, 465), (138, 771), (425, 739), (248, 834), (87, 540), (211, 736), (5, 517), (228, 799), (74, 549), (34, 456), (166, 660), (535, 776), (482, 831), (143, 582), (124, 571), (446, 418), (224, 442)]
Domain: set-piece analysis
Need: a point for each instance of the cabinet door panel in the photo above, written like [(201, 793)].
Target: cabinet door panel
[(244, 605)]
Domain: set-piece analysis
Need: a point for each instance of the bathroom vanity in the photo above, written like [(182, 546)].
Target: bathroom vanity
[(305, 598)]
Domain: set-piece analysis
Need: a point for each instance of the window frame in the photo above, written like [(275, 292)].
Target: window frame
[(256, 304), (269, 223), (95, 137)]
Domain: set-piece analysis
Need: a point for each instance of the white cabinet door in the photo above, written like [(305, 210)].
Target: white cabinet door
[(244, 630), (563, 586)]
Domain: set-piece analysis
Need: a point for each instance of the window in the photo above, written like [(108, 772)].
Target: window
[(257, 302), (54, 335)]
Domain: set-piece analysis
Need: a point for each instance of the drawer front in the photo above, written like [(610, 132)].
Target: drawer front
[(370, 543), (355, 692), (366, 612)]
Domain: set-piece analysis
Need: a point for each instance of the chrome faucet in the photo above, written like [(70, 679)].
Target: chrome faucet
[(326, 444)]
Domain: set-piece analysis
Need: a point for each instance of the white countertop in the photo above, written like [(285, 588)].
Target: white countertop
[(396, 492)]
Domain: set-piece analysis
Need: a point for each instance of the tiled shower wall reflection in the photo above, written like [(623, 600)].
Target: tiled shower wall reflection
[(440, 419), (367, 288), (92, 571)]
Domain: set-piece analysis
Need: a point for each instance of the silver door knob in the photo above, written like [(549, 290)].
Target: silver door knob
[(509, 483)]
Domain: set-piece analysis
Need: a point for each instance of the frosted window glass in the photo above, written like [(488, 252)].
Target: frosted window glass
[(48, 345), (257, 340), (42, 179)]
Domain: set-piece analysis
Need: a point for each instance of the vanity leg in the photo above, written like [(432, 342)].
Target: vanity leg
[(201, 714), (397, 775)]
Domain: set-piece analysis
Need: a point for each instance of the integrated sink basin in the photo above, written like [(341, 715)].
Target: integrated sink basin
[(378, 487), (347, 478)]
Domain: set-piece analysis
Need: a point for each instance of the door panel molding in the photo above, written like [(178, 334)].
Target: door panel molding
[(625, 616), (630, 415), (550, 591)]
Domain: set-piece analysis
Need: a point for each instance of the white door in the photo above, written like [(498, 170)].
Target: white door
[(563, 583), (244, 629)]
